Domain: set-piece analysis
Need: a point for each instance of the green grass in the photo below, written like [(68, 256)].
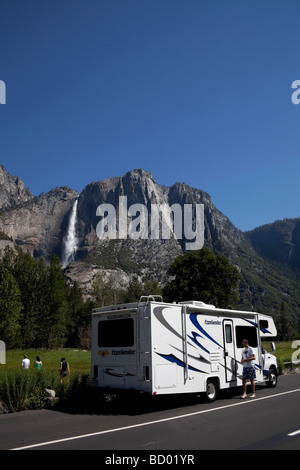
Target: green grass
[(22, 390), (283, 352)]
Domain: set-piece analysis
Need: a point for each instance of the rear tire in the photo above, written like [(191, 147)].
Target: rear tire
[(211, 391)]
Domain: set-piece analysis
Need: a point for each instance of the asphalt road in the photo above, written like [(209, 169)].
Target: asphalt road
[(270, 421)]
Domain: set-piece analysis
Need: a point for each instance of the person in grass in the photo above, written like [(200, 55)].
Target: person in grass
[(25, 363), (64, 369), (38, 363)]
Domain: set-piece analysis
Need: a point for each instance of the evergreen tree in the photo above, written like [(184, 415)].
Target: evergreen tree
[(10, 309), (107, 291), (42, 282), (58, 306), (37, 307), (285, 325), (8, 259), (133, 291), (25, 273), (78, 318), (136, 289)]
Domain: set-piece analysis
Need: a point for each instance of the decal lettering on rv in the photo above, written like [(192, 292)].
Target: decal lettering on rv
[(122, 352), (212, 322)]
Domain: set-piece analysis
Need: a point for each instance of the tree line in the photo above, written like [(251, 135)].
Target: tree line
[(37, 306), (40, 309)]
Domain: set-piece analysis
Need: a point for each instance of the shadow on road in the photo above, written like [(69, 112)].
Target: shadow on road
[(94, 401)]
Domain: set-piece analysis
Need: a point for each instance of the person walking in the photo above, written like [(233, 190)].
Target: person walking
[(25, 363), (248, 358), (64, 369), (38, 363)]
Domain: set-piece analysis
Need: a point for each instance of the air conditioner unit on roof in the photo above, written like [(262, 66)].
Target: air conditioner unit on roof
[(196, 303)]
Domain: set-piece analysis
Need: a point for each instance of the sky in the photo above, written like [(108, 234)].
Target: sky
[(194, 91)]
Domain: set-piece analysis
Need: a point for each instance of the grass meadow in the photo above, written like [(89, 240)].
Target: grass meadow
[(25, 389), (283, 353), (79, 360)]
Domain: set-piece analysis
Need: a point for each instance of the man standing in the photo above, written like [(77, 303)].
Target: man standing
[(25, 362), (248, 358)]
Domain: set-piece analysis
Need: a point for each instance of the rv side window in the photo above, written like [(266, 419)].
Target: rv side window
[(246, 332), (228, 334), (116, 333), (263, 324)]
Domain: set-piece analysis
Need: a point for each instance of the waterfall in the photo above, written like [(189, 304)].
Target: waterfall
[(70, 239)]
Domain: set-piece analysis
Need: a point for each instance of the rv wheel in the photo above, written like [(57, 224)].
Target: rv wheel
[(211, 391), (272, 379)]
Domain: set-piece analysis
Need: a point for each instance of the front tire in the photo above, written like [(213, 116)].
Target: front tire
[(272, 379)]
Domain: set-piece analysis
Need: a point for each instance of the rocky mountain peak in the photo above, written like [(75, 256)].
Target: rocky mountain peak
[(12, 190), (38, 225)]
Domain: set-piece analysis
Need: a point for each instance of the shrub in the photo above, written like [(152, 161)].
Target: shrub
[(74, 391), (24, 390)]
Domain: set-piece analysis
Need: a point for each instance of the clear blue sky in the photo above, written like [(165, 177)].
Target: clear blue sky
[(194, 91)]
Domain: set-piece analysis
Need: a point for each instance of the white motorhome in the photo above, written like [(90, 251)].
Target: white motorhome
[(185, 347)]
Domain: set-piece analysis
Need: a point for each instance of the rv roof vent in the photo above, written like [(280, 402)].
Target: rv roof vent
[(196, 303)]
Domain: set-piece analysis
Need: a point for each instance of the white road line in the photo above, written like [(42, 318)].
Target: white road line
[(149, 423), (294, 433)]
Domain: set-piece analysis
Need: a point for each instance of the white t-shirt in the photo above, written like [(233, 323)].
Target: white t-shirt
[(247, 353), (25, 363)]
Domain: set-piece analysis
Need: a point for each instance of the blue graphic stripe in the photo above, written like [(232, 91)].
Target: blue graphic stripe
[(195, 322), (264, 330), (175, 360), (194, 339)]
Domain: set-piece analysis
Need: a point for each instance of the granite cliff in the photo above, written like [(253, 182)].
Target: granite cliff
[(278, 241), (39, 225)]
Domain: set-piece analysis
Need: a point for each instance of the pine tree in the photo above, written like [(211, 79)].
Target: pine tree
[(76, 314), (58, 305), (10, 309), (42, 282), (25, 273), (285, 325)]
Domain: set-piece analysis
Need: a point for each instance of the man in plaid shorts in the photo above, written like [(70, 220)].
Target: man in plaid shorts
[(248, 358)]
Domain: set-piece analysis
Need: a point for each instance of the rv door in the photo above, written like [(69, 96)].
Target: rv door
[(229, 351)]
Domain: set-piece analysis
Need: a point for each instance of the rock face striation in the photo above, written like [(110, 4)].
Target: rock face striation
[(139, 187)]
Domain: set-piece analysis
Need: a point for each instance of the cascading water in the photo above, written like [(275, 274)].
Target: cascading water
[(70, 239)]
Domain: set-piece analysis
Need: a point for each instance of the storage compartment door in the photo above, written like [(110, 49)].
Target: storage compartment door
[(165, 376)]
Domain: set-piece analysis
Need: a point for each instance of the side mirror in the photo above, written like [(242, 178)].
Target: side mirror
[(273, 347)]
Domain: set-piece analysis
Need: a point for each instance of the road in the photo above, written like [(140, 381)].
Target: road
[(270, 421)]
